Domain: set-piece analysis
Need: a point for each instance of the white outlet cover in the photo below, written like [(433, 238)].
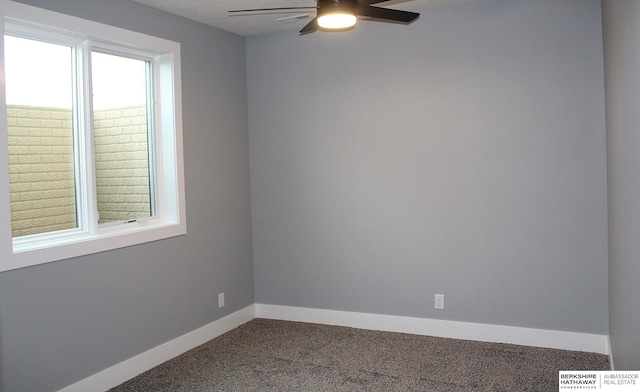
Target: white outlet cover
[(439, 301)]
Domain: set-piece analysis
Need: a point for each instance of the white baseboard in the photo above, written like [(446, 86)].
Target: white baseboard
[(134, 366), (610, 351), (441, 328)]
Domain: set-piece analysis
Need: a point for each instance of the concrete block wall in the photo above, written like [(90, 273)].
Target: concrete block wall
[(122, 163), (41, 170), (41, 167)]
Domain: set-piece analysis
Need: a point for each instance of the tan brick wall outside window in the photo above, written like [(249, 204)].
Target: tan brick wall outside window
[(41, 167), (122, 163)]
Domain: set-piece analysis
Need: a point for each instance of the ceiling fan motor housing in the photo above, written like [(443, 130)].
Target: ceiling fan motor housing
[(337, 6)]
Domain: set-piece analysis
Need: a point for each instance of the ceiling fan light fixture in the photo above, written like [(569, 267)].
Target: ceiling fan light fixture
[(337, 21), (336, 15)]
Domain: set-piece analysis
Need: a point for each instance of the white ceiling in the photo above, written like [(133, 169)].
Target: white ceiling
[(214, 12)]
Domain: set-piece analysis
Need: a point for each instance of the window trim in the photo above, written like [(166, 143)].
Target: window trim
[(167, 143)]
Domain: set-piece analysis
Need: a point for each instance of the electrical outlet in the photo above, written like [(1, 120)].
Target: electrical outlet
[(220, 300), (439, 301)]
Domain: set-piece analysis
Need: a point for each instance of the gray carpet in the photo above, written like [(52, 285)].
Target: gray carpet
[(269, 355)]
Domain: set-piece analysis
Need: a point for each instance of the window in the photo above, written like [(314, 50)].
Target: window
[(122, 113), (93, 151), (40, 136)]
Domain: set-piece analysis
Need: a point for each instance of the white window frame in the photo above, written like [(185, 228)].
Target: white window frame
[(169, 220)]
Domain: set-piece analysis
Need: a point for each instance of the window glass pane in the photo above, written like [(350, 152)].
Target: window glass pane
[(120, 113), (40, 132)]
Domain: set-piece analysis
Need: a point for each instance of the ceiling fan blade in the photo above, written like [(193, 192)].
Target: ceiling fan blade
[(310, 27), (272, 9), (387, 14)]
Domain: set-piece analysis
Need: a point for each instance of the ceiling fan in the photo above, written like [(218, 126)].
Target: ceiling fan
[(341, 15)]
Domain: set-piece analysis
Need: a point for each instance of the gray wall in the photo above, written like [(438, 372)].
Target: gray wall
[(64, 321), (462, 155), (621, 20)]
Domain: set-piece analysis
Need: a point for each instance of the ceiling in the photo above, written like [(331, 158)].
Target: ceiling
[(214, 12)]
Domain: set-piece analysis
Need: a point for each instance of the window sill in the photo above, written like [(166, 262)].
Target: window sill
[(73, 244)]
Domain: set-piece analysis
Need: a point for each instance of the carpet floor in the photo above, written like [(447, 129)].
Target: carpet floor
[(270, 355)]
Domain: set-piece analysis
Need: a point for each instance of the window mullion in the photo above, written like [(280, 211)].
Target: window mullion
[(84, 148)]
